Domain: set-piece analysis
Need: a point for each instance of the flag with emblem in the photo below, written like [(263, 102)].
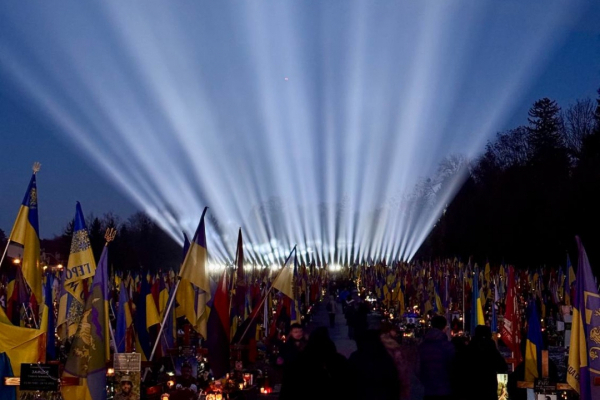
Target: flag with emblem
[(583, 368)]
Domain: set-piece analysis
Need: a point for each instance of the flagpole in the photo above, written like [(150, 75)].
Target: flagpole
[(255, 315), (233, 276), (463, 303), (266, 319), (112, 333), (6, 248), (264, 297), (162, 324)]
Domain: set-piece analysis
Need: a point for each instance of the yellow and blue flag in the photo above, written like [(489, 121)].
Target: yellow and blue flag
[(24, 240), (477, 317), (583, 368), (569, 280), (145, 317), (90, 348), (194, 270), (81, 263), (533, 344), (124, 320)]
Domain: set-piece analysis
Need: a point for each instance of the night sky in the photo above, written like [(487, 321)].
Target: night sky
[(35, 39)]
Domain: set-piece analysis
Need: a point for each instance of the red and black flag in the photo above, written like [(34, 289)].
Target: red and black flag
[(217, 342)]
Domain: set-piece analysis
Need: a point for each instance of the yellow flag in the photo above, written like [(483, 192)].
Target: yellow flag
[(284, 280), (23, 345)]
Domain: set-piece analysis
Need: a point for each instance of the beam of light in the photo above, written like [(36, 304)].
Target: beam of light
[(319, 125)]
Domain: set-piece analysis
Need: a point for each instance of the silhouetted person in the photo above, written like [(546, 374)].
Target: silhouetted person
[(361, 323), (377, 376), (389, 338), (294, 344), (458, 378), (319, 372), (436, 355), (331, 310), (350, 314), (483, 362)]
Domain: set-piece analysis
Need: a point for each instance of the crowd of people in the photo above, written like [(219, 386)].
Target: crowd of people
[(386, 365)]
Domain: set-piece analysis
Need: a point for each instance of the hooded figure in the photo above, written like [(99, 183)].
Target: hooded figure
[(482, 363)]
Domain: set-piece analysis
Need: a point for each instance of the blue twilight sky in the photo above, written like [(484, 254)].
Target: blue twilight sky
[(101, 88)]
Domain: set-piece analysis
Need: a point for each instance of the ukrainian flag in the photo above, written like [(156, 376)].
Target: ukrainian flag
[(146, 316), (124, 320), (534, 344), (24, 240), (81, 263), (477, 317), (195, 268), (583, 367), (90, 348), (195, 281), (284, 282), (569, 280)]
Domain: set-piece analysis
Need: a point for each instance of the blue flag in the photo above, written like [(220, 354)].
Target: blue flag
[(143, 341), (124, 319), (6, 392), (50, 342)]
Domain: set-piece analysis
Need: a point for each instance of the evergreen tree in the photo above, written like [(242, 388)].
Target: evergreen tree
[(545, 125)]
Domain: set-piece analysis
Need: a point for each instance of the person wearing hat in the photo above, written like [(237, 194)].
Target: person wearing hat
[(126, 392)]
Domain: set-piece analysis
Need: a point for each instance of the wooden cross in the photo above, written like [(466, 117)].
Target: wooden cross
[(545, 369)]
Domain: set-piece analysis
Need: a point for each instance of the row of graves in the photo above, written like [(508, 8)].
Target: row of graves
[(183, 372)]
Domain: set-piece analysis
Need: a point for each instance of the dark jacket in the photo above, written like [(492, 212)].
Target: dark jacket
[(436, 355), (319, 372), (376, 372), (483, 363), (290, 350)]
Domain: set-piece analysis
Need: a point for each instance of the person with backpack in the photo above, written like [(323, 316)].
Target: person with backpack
[(331, 310)]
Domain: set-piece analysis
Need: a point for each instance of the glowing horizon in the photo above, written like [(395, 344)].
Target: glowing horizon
[(310, 125)]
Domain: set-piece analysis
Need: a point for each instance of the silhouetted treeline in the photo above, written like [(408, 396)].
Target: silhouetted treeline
[(533, 190)]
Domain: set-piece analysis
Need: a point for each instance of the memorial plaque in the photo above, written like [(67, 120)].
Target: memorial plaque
[(42, 377), (544, 385), (127, 362)]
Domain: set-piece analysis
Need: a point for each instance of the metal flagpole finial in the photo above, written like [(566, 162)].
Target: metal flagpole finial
[(110, 235), (36, 167)]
